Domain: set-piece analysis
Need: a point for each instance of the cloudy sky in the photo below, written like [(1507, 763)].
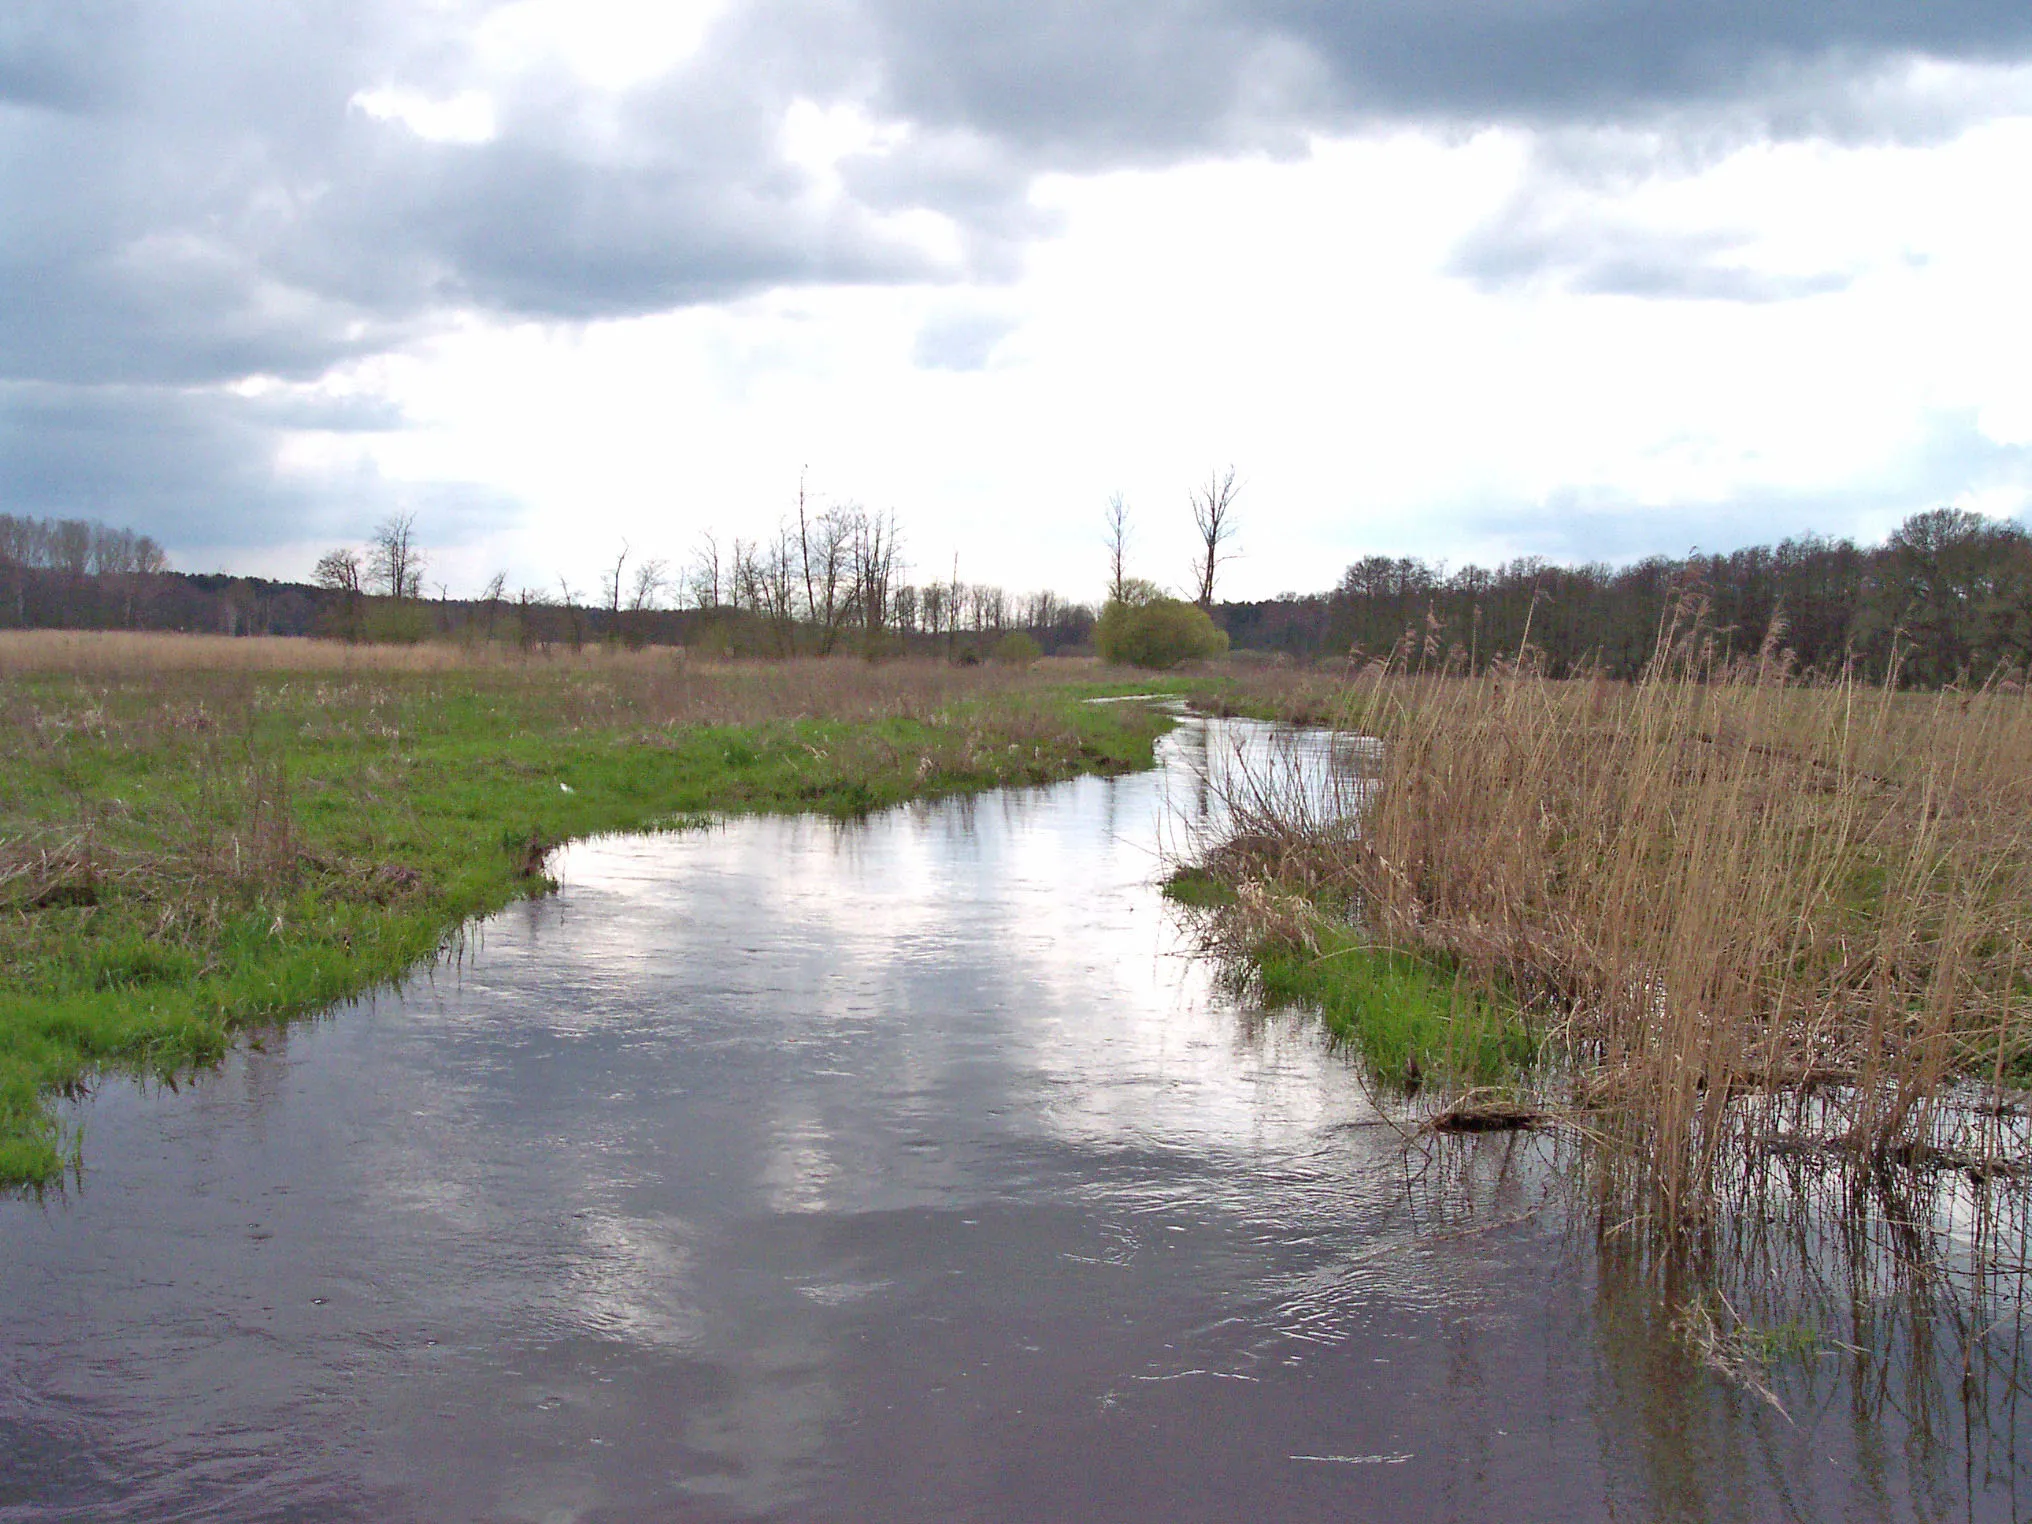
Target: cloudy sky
[(1463, 279)]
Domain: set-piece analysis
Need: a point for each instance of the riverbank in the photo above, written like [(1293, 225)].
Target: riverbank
[(202, 837), (1724, 909)]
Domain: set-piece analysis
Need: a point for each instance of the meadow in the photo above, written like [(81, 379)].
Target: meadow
[(200, 835)]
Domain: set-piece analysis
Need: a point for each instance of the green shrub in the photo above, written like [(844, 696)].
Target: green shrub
[(1158, 634), (390, 622), (1017, 649)]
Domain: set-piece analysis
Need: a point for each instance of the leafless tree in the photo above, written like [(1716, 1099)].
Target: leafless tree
[(825, 551), (953, 595), (931, 606), (987, 607), (339, 571), (765, 584), (571, 613), (527, 602), (779, 592), (705, 572), (395, 561), (874, 568), (650, 581), (905, 604), (611, 586), (71, 547), (1213, 514), (1118, 545), (490, 600)]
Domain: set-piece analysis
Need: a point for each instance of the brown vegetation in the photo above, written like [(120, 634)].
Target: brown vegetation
[(1736, 903)]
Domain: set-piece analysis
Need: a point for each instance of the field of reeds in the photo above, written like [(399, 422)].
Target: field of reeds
[(1723, 908), (201, 834)]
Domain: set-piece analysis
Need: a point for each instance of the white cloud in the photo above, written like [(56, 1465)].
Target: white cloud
[(467, 117), (1302, 320), (610, 44)]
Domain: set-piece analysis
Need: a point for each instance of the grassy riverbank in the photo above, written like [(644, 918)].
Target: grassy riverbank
[(202, 835)]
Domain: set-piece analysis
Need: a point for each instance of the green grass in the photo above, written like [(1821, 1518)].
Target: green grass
[(197, 852), (1408, 1018), (1199, 889)]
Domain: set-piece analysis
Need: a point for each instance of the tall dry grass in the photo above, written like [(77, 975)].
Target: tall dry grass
[(125, 653), (1741, 903)]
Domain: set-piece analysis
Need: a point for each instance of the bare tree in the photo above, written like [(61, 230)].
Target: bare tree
[(874, 567), (1213, 514), (490, 600), (611, 586), (1118, 546), (705, 572), (395, 562), (825, 549), (765, 584), (650, 581), (527, 602), (571, 613), (953, 594), (779, 592), (71, 547), (338, 571)]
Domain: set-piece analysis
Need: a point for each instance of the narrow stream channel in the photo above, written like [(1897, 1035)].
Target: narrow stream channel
[(909, 1169)]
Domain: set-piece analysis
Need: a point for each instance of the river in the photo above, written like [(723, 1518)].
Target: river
[(906, 1169)]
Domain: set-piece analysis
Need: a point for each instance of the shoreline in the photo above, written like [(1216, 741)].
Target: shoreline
[(207, 852)]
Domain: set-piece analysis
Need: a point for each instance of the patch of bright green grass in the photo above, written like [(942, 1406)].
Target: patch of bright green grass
[(1407, 1017), (1199, 889)]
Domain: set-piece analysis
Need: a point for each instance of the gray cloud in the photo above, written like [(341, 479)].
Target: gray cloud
[(202, 462), (1603, 258), (193, 199)]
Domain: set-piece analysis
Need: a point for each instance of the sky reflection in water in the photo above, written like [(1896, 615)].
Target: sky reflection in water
[(906, 1169)]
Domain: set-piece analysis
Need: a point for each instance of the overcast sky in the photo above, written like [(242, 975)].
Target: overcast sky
[(1462, 279)]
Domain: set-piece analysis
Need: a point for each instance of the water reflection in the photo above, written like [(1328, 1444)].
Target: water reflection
[(911, 1169)]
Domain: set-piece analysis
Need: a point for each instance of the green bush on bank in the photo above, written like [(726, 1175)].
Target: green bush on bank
[(1017, 649), (1157, 634)]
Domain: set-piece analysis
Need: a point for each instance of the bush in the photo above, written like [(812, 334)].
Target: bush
[(1017, 649), (392, 623), (1158, 634)]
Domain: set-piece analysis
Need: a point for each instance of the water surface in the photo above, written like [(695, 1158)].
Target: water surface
[(906, 1169)]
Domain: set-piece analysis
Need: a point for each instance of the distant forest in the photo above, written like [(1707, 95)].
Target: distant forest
[(1949, 595)]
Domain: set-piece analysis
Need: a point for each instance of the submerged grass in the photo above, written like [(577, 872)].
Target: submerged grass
[(192, 841)]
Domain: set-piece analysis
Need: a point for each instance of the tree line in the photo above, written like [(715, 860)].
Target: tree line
[(828, 579), (1947, 597), (50, 567)]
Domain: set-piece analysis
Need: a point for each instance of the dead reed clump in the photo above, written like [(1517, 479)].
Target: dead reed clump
[(1712, 887), (1486, 1110)]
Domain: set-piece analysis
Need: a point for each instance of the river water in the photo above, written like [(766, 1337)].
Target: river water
[(907, 1169)]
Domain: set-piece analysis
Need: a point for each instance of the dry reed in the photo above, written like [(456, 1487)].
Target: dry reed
[(1740, 903)]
